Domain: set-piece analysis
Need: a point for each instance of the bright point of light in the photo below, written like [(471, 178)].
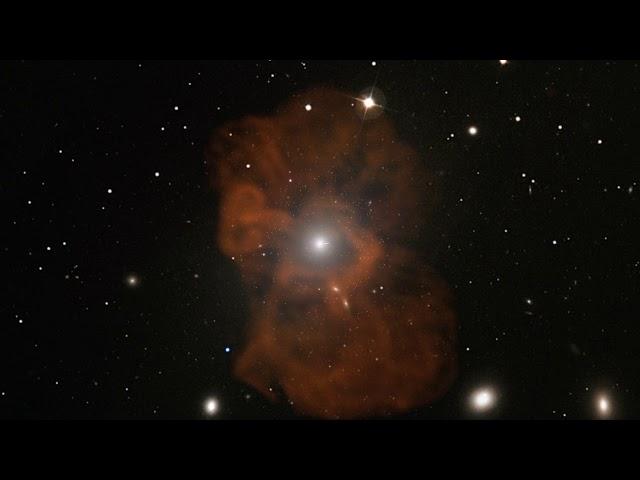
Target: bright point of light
[(132, 280), (369, 102), (473, 130), (157, 174), (559, 127), (320, 243), (518, 118), (248, 165), (109, 190), (227, 349), (307, 107), (482, 399), (503, 62), (373, 64), (599, 142), (211, 406), (604, 407)]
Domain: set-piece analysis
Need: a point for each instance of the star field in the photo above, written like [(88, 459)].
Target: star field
[(120, 304)]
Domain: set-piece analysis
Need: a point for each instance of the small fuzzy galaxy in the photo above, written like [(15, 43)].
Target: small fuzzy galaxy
[(323, 240)]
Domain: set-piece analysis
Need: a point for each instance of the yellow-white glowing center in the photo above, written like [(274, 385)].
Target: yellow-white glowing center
[(369, 102), (320, 243)]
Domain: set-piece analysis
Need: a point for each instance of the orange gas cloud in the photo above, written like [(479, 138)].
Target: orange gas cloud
[(353, 326)]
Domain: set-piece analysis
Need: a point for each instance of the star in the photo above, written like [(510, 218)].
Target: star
[(132, 280), (503, 62), (307, 107), (369, 102), (473, 130)]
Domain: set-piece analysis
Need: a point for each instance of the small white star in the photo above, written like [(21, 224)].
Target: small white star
[(473, 130), (109, 190), (157, 174), (503, 62), (308, 107), (518, 118), (132, 280)]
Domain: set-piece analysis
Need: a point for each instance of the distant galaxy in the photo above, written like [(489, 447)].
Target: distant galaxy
[(347, 320)]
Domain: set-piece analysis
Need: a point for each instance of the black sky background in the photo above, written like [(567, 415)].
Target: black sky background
[(158, 350)]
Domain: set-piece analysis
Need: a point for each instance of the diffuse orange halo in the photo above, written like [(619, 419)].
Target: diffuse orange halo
[(366, 329)]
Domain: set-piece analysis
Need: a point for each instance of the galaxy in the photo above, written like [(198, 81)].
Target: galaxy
[(314, 251), (321, 240)]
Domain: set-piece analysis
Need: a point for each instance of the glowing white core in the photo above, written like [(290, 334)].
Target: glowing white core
[(211, 406), (369, 102), (603, 405), (320, 243), (482, 399)]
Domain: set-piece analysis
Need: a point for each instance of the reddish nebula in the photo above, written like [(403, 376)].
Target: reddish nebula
[(365, 327)]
